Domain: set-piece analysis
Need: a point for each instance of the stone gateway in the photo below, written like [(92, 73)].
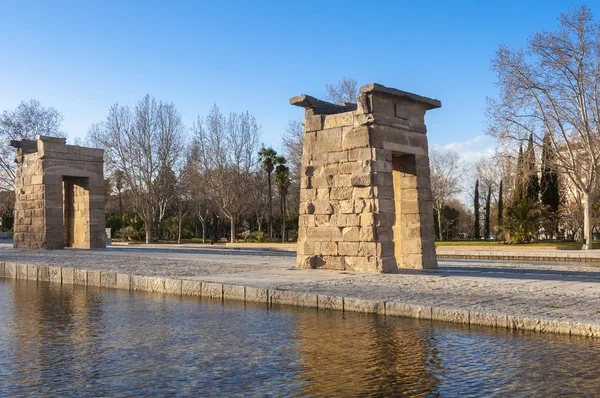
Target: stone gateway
[(365, 195), (59, 195)]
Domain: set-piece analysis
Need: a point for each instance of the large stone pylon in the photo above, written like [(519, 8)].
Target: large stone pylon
[(59, 195), (365, 198)]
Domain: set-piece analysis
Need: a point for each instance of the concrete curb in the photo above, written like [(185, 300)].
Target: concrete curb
[(275, 297), (519, 257)]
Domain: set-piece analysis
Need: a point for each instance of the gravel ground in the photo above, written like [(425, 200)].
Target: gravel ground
[(554, 290)]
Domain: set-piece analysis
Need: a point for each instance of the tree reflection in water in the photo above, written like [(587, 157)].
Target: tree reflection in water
[(73, 340)]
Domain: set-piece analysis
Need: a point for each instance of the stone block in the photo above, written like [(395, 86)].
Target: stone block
[(212, 290), (80, 277), (328, 141), (108, 279), (306, 248), (297, 299), (22, 271), (348, 248), (173, 286), (32, 272), (67, 275), (351, 234), (233, 292), (312, 123), (325, 302), (330, 262), (486, 318), (139, 283), (363, 193), (123, 281), (356, 138), (326, 249), (456, 315), (364, 306), (323, 207), (338, 120), (93, 278), (306, 261), (257, 294), (368, 234), (55, 274), (361, 264), (322, 220), (191, 288), (156, 284), (396, 308), (1, 270)]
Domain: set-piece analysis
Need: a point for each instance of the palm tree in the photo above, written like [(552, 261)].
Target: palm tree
[(282, 182), (268, 158)]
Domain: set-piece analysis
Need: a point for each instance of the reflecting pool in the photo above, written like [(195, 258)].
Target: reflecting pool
[(79, 341)]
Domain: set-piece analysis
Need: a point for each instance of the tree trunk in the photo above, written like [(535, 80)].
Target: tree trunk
[(270, 209), (282, 221), (148, 228), (587, 201), (439, 212), (120, 205), (233, 228), (203, 231), (179, 232)]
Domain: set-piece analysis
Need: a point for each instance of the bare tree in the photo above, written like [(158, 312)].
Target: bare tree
[(228, 147), (446, 172), (553, 87), (142, 143), (344, 91), (25, 122), (293, 145)]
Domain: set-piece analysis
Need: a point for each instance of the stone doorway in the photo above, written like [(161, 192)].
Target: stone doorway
[(76, 212)]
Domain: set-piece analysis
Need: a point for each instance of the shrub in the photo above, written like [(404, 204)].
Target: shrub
[(128, 233)]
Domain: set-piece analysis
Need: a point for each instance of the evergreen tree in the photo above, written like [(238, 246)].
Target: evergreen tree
[(476, 227), (486, 221), (500, 205), (532, 182), (518, 189), (549, 182)]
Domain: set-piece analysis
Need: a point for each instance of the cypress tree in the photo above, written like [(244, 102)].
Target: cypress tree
[(500, 205), (532, 181), (476, 227), (518, 189), (486, 221), (549, 188)]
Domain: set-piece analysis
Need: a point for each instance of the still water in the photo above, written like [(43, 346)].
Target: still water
[(78, 341)]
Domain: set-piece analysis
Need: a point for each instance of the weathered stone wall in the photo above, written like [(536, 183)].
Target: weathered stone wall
[(365, 194), (59, 195)]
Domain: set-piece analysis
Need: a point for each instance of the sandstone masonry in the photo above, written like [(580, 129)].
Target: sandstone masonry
[(59, 193), (365, 193)]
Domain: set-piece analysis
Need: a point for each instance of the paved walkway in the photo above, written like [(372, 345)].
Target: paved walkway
[(535, 291)]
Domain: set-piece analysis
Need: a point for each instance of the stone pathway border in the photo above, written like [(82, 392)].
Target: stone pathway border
[(275, 297), (516, 255)]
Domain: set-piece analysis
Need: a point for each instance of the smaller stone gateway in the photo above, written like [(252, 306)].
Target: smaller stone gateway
[(365, 195), (59, 195)]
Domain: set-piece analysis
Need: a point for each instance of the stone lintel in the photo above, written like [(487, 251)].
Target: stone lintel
[(430, 103), (56, 140), (320, 107)]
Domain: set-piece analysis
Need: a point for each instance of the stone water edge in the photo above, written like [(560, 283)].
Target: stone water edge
[(274, 297)]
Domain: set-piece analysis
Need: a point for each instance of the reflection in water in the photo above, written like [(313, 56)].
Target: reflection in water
[(364, 356), (73, 340)]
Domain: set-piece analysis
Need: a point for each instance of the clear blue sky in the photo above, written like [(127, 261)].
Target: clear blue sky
[(82, 57)]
